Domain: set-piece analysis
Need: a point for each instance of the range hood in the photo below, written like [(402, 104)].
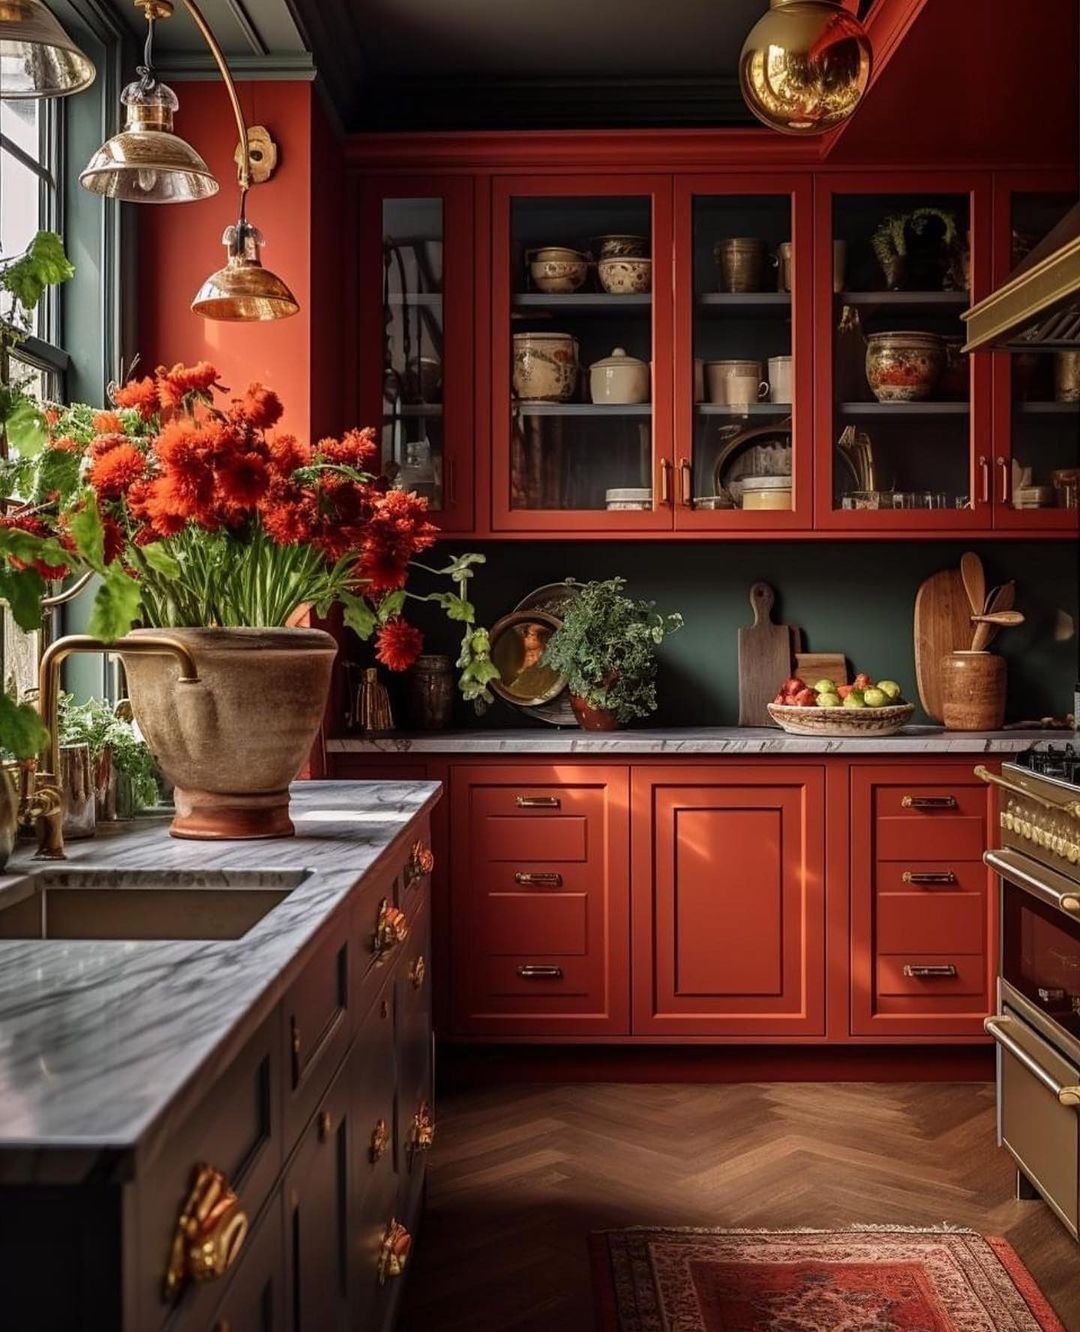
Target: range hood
[(1038, 308)]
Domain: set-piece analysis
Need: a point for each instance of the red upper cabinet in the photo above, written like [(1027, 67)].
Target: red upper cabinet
[(581, 332), (743, 353), (903, 420), (1036, 394), (415, 364)]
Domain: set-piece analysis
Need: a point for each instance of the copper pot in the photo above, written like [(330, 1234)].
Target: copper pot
[(593, 719)]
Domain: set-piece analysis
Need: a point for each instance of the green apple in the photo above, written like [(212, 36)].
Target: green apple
[(828, 699), (854, 700), (875, 698), (890, 688), (825, 687)]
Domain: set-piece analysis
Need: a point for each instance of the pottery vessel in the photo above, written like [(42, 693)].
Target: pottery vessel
[(593, 719), (973, 691), (9, 815), (1067, 376), (556, 269), (78, 792), (780, 378), (619, 379), (625, 277), (742, 260), (545, 366), (430, 692), (231, 743), (720, 374), (628, 499), (622, 247), (903, 367)]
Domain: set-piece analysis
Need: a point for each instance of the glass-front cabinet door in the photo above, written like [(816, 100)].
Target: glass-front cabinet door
[(903, 416), (1036, 393), (581, 354), (415, 346), (744, 330)]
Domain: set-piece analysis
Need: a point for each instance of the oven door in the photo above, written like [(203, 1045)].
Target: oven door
[(1038, 1095)]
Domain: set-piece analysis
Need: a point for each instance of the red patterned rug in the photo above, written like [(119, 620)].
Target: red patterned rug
[(864, 1280)]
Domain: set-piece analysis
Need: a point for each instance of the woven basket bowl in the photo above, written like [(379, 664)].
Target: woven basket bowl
[(841, 721)]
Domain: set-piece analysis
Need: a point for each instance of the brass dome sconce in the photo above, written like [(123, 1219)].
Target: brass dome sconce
[(37, 57), (805, 66)]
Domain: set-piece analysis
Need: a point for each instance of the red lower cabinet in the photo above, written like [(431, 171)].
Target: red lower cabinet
[(922, 925), (539, 929), (728, 891)]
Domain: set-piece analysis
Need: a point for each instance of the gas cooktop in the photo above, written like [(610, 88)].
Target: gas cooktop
[(1059, 761)]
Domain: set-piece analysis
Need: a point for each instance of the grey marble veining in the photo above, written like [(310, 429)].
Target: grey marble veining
[(731, 740), (99, 1040)]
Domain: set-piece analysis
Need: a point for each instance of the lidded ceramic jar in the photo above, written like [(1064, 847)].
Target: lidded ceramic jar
[(545, 366), (619, 379), (904, 367)]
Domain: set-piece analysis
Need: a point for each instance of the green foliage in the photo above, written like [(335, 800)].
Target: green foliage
[(24, 426), (43, 265), (606, 649), (21, 731), (88, 532), (23, 589), (116, 605), (95, 724), (890, 242), (474, 659)]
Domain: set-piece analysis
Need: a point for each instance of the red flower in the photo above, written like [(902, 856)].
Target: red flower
[(31, 523), (103, 443), (140, 394), (166, 513), (108, 423), (242, 479), (357, 448), (260, 407), (65, 444), (289, 515), (114, 539), (398, 644), (175, 385), (397, 530), (287, 453), (384, 571), (52, 417), (114, 471), (185, 450)]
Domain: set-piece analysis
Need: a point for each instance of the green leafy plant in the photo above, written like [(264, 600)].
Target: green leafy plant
[(23, 282), (606, 648), (96, 724), (891, 242)]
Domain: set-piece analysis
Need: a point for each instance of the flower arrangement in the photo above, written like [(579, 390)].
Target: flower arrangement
[(196, 511)]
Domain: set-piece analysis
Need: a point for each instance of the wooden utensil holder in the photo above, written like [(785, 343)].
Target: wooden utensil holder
[(973, 691)]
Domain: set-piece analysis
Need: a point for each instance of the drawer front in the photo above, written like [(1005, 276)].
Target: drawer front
[(953, 923), (931, 976), (255, 1297), (412, 1015), (238, 1130), (541, 881), (414, 881), (381, 924), (935, 836), (931, 880), (916, 798), (317, 1028)]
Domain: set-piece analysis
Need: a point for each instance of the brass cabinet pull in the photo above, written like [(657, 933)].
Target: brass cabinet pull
[(531, 971), (538, 880), (421, 863), (1003, 464), (919, 972), (391, 928), (998, 1027), (417, 972), (210, 1231), (538, 802), (984, 469), (393, 1252), (928, 880), (380, 1140), (295, 1049), (1071, 905), (324, 1125), (665, 480), (686, 479), (422, 1134), (929, 802)]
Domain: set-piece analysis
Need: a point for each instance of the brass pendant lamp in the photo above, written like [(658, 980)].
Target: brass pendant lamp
[(805, 65), (37, 57)]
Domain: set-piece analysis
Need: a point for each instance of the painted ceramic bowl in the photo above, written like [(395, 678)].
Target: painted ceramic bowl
[(625, 277), (557, 269), (904, 367), (545, 366), (622, 247)]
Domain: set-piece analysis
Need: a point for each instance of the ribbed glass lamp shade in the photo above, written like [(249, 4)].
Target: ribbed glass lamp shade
[(146, 162), (805, 65), (37, 57), (244, 291)]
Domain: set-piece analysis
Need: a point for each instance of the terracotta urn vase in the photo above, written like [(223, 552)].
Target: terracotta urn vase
[(233, 742), (593, 719)]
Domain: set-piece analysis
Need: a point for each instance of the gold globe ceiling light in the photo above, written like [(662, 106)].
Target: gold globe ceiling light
[(37, 57), (805, 65)]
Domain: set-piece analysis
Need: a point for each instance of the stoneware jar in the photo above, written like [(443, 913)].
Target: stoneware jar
[(545, 366), (973, 691), (903, 367), (619, 379), (430, 692)]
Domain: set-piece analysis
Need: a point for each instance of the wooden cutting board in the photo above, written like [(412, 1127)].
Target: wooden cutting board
[(765, 659), (942, 625), (813, 666)]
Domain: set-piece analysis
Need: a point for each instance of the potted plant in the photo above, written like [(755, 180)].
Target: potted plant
[(920, 249), (125, 775), (606, 650), (203, 520)]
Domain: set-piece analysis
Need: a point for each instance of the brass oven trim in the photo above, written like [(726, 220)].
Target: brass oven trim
[(1042, 882)]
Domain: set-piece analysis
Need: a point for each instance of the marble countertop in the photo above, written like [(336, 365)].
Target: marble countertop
[(101, 1040), (695, 740)]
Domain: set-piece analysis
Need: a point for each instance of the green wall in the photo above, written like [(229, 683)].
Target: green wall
[(851, 596)]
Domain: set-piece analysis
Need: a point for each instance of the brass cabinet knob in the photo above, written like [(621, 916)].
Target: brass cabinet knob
[(417, 972), (391, 928), (422, 1134), (324, 1124), (210, 1231), (393, 1252), (380, 1140), (421, 862)]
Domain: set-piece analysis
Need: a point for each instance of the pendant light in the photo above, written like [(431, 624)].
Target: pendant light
[(805, 65), (37, 57), (243, 289)]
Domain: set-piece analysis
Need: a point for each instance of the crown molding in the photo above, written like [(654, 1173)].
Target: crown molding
[(199, 67)]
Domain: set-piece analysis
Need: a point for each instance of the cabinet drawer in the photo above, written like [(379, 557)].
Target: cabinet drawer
[(380, 931), (953, 923), (535, 977), (531, 922), (941, 836), (237, 1129), (255, 1297), (931, 879), (412, 1013), (921, 800), (414, 881), (317, 1027), (927, 974)]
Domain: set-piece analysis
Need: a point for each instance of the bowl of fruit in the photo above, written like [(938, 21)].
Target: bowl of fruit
[(826, 708)]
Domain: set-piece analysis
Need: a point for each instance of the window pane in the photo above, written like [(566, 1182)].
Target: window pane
[(20, 213), (20, 122), (42, 385)]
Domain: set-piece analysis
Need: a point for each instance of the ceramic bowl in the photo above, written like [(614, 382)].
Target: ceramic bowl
[(904, 367), (622, 247), (557, 270), (625, 277)]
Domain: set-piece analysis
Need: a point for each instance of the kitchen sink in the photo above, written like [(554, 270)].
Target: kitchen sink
[(142, 904)]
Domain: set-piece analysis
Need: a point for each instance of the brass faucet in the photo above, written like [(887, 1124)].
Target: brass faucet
[(41, 799)]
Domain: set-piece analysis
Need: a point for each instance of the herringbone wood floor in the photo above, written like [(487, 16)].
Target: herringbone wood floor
[(521, 1174)]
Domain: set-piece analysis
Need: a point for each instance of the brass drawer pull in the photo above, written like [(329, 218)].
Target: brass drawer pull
[(391, 928), (380, 1140), (538, 880), (942, 972), (929, 880), (210, 1231), (295, 1049), (421, 863), (531, 971), (538, 802), (393, 1252), (929, 802), (417, 972), (324, 1125), (422, 1134), (998, 1027)]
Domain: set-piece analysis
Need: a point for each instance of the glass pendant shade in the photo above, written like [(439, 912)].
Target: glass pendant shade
[(805, 65), (146, 162), (244, 291), (37, 57)]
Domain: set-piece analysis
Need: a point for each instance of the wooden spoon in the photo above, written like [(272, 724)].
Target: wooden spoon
[(1002, 600), (974, 576), (999, 618)]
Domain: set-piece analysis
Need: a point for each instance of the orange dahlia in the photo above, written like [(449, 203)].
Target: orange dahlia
[(259, 407), (113, 472), (35, 527), (141, 395), (398, 644)]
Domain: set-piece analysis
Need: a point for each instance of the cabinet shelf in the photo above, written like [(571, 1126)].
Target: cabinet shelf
[(780, 410), (414, 409), (588, 302), (1048, 408), (583, 409), (431, 300), (745, 300), (870, 409), (908, 300)]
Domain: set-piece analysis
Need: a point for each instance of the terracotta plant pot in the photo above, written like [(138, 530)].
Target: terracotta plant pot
[(593, 719), (232, 743), (973, 691)]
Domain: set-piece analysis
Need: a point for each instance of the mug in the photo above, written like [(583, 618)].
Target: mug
[(1067, 376), (785, 258), (719, 373), (742, 390), (780, 378), (742, 263)]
